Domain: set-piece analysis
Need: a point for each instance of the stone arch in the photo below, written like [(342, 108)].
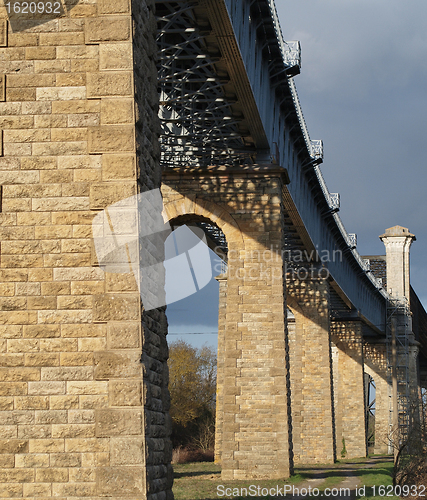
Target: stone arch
[(255, 407), (185, 210), (207, 210)]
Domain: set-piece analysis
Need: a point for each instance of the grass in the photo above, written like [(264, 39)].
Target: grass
[(202, 480)]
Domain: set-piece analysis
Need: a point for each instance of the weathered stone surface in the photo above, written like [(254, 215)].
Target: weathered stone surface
[(127, 393), (117, 365), (70, 334), (118, 422), (110, 307), (120, 481), (107, 29)]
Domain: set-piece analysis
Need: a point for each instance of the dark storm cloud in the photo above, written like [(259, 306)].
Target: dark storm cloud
[(363, 89)]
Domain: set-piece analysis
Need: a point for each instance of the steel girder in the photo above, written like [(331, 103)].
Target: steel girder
[(199, 127)]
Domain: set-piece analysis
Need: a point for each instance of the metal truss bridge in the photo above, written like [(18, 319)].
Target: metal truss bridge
[(228, 97)]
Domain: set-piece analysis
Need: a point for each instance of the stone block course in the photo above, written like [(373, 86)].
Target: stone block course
[(71, 337)]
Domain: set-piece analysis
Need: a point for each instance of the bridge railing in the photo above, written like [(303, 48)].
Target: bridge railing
[(291, 51), (349, 239)]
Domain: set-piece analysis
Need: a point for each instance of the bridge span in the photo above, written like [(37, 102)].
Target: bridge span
[(108, 99), (237, 157)]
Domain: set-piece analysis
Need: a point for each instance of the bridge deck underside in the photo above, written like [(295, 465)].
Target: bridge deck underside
[(227, 100)]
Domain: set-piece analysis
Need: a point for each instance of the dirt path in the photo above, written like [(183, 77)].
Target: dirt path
[(347, 471)]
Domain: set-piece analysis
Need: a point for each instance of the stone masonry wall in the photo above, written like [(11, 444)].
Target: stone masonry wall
[(79, 132), (311, 365), (349, 394), (375, 356), (219, 416)]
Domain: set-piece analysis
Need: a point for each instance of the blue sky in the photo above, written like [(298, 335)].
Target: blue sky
[(363, 90)]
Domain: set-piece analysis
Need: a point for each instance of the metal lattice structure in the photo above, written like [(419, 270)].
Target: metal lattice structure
[(198, 125), (202, 122), (398, 311)]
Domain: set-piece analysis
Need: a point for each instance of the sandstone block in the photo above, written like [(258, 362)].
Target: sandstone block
[(42, 359), (19, 374), (65, 460), (118, 166), (6, 404), (109, 84), (20, 94), (117, 111), (32, 402), (81, 417), (13, 389), (107, 29), (84, 475), (67, 316), (106, 193), (70, 80), (14, 446), (120, 481), (76, 359), (93, 387), (8, 431), (33, 460), (2, 87), (116, 307), (126, 393), (114, 7), (117, 365), (19, 122), (67, 373), (87, 445), (86, 330), (94, 402), (40, 53), (36, 80), (87, 287), (37, 490), (55, 288), (46, 445), (46, 388), (74, 302), (68, 134), (74, 490), (127, 451), (91, 345), (115, 56), (123, 336), (73, 431), (84, 120), (11, 490), (59, 148), (28, 288), (54, 39), (76, 107), (34, 431), (16, 475), (64, 402)]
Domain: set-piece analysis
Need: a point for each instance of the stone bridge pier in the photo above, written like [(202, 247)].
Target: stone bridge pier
[(311, 371), (253, 377), (375, 355), (349, 390)]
